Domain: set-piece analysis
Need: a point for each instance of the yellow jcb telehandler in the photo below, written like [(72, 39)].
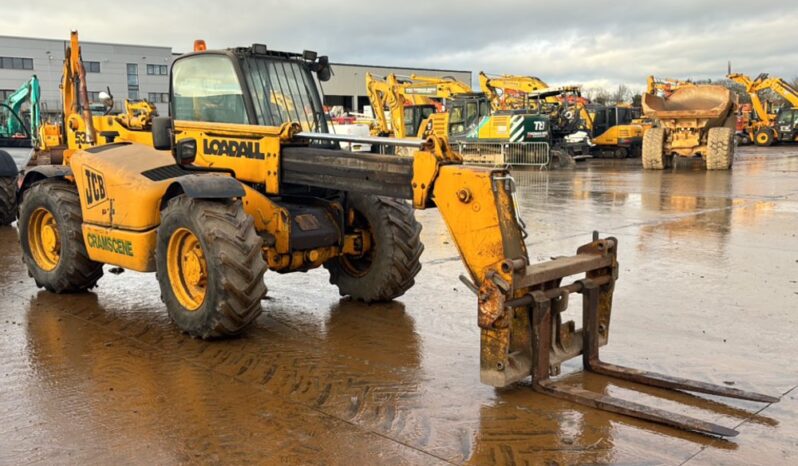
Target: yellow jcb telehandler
[(244, 178)]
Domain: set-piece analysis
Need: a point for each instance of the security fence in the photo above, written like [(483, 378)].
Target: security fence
[(503, 153)]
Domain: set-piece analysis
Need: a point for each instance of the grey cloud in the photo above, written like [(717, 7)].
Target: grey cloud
[(568, 41)]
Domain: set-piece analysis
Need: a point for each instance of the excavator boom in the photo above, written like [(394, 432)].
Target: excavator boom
[(27, 92), (515, 91)]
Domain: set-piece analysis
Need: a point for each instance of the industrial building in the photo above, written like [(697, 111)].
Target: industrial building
[(129, 71), (142, 72)]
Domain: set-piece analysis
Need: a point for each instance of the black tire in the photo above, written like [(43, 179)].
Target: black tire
[(654, 157), (720, 148), (235, 266), (74, 272), (389, 268), (764, 137), (8, 200)]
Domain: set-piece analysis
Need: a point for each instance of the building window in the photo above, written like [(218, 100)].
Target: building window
[(91, 66), (94, 96), (4, 93), (157, 70), (132, 81), (158, 97), (132, 74), (16, 63)]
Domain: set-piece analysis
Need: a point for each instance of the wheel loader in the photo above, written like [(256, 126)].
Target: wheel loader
[(692, 120), (243, 177)]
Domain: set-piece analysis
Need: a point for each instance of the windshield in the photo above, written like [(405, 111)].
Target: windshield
[(284, 91), (11, 126), (785, 117), (206, 88)]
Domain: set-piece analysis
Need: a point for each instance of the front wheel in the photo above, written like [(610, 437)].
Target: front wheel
[(210, 266), (388, 269)]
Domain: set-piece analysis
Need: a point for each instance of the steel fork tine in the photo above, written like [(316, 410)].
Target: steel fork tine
[(593, 363), (675, 383), (629, 408)]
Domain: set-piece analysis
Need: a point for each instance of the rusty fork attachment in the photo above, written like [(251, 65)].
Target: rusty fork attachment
[(537, 323)]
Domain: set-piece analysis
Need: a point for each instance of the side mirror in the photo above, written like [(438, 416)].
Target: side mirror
[(107, 100), (185, 151), (323, 69), (162, 133)]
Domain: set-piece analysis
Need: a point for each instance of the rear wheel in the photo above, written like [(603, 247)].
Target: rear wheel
[(8, 199), (720, 148), (210, 266), (654, 157), (388, 269), (50, 233), (764, 137)]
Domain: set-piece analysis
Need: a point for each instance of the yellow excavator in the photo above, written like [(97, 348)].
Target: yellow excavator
[(512, 92), (612, 130), (80, 127), (616, 131), (235, 185), (770, 127), (483, 135), (407, 104)]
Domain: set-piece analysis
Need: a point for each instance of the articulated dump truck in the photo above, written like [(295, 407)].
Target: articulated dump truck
[(244, 177), (693, 120)]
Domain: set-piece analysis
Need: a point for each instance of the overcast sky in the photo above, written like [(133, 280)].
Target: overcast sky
[(587, 41)]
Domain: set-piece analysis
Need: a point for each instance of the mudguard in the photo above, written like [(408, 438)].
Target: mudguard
[(42, 173), (204, 186)]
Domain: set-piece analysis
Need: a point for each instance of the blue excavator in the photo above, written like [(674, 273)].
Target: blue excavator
[(18, 141)]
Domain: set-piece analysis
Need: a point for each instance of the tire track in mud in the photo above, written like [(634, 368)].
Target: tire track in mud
[(140, 387), (391, 398)]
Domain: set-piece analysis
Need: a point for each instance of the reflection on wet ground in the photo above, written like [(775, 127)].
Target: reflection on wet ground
[(707, 290)]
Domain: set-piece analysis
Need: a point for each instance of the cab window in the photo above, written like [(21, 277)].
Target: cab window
[(456, 119), (206, 88), (785, 117), (471, 113)]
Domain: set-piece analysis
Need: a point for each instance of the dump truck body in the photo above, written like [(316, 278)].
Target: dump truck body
[(693, 120)]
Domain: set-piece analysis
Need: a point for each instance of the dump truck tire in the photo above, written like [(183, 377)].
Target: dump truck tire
[(8, 200), (764, 137), (51, 236), (720, 149), (389, 268), (653, 150), (210, 266)]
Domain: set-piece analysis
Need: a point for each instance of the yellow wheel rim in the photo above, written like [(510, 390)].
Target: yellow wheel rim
[(188, 270), (44, 239), (762, 138)]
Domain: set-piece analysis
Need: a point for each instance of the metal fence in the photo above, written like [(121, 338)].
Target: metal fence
[(532, 154)]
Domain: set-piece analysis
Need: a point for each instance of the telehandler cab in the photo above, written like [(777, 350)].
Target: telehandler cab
[(255, 182)]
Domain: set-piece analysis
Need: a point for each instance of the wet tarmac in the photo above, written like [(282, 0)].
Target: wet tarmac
[(708, 290)]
